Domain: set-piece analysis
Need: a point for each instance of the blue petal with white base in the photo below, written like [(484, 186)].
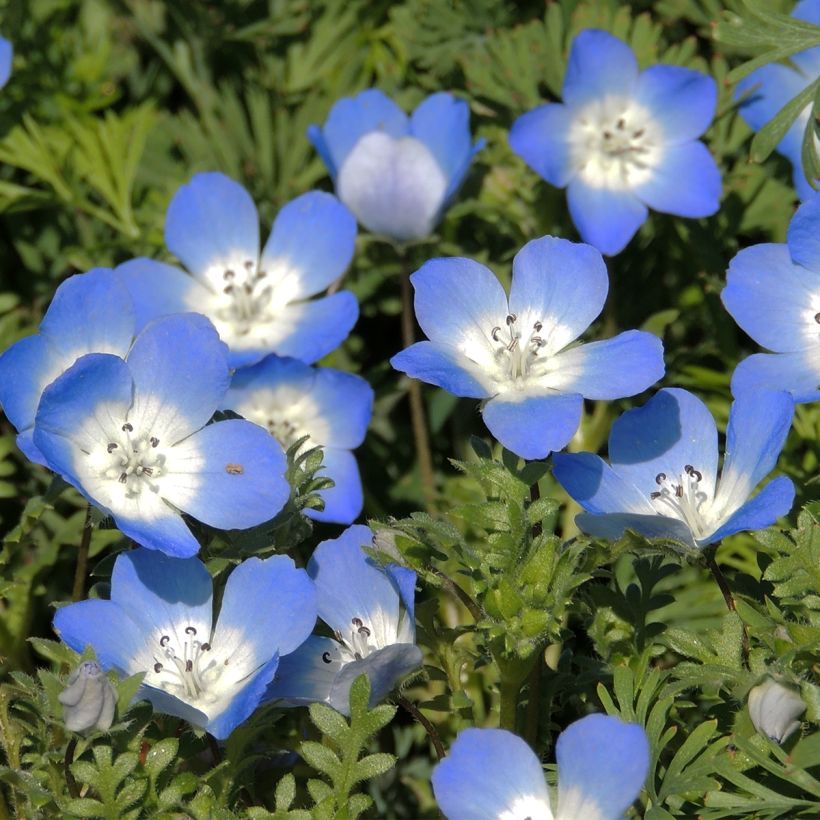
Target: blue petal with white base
[(345, 499), (541, 138), (796, 372), (599, 64)]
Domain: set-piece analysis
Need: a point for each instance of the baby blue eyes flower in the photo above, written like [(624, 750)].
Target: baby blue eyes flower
[(396, 173), (518, 353), (492, 774), (623, 141), (663, 478), (292, 400), (160, 621), (259, 304), (131, 436), (767, 89), (6, 54), (370, 612), (90, 313), (773, 293)]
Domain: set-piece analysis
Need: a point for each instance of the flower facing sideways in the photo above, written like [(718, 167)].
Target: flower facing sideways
[(663, 478), (370, 611), (396, 173), (518, 353), (292, 400), (160, 621), (131, 436), (259, 304), (623, 141), (492, 774)]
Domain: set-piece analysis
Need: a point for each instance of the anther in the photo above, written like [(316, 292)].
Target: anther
[(163, 641), (205, 647), (655, 495), (123, 479), (639, 133), (817, 318), (189, 666), (229, 274), (248, 264), (189, 630), (688, 469), (357, 622), (511, 319), (326, 657), (128, 427), (621, 124), (660, 478), (111, 447), (697, 475), (154, 441), (157, 667), (494, 334), (537, 327), (363, 630), (679, 491)]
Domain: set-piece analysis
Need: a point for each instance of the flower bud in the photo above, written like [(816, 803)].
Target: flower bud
[(774, 709), (88, 699)]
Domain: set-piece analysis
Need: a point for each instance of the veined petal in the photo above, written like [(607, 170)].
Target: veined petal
[(599, 64), (165, 703), (608, 369), (532, 425), (443, 366), (212, 225), (6, 55), (310, 246), (230, 475), (488, 774), (344, 500), (682, 100), (562, 285), (773, 501), (766, 90), (613, 525), (758, 426), (672, 430), (773, 299), (541, 138), (797, 373), (605, 217), (685, 183), (804, 238), (602, 765), (307, 674)]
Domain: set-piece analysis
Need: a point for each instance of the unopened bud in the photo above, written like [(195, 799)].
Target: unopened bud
[(88, 699), (774, 710)]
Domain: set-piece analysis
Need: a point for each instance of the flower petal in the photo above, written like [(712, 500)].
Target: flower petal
[(306, 675), (229, 475), (682, 100), (772, 502), (804, 237), (6, 55), (541, 138), (533, 425), (165, 703), (180, 372), (606, 218), (765, 91), (610, 369), (490, 773), (613, 525), (442, 366), (310, 246), (797, 373), (212, 225), (673, 429), (759, 424), (560, 284), (344, 500), (602, 765), (685, 183), (599, 65)]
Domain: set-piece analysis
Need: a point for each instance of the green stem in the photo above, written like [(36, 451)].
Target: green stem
[(431, 730), (508, 707), (81, 569), (73, 790), (728, 597)]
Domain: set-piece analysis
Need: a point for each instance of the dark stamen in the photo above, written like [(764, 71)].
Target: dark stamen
[(111, 447), (655, 495), (189, 630), (189, 666), (163, 641), (123, 479), (537, 327), (357, 622), (326, 657), (206, 647), (154, 441), (157, 667), (494, 334), (511, 319), (679, 491), (660, 478), (128, 427), (363, 630)]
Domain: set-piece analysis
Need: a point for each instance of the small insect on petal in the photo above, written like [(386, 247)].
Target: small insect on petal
[(234, 469)]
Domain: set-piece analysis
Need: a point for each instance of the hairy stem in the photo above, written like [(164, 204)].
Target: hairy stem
[(728, 597), (454, 589), (534, 681), (431, 730), (81, 569), (73, 790), (508, 707)]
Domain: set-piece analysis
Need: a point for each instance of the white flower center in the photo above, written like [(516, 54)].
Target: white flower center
[(615, 143), (683, 498), (527, 807), (356, 644), (133, 460), (186, 669), (246, 297), (516, 349)]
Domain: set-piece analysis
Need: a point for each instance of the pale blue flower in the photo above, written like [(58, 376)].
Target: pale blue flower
[(773, 293), (160, 621), (292, 400), (492, 774), (6, 55), (396, 173), (259, 304), (623, 141), (519, 354), (133, 437), (662, 480), (370, 612)]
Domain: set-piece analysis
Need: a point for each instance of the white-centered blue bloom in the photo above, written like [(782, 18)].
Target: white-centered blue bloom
[(292, 400), (492, 774), (370, 612), (90, 313), (767, 89), (519, 353), (6, 55), (396, 173), (260, 304), (131, 436), (773, 293), (160, 621), (623, 141), (662, 480)]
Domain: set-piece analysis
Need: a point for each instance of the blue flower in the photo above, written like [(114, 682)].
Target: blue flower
[(773, 293), (767, 89), (370, 612), (492, 773), (159, 621), (90, 313), (517, 354), (6, 54), (259, 304), (396, 173), (623, 141), (663, 479), (131, 437), (292, 400)]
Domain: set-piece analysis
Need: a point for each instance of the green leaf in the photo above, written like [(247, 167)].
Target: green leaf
[(770, 135)]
